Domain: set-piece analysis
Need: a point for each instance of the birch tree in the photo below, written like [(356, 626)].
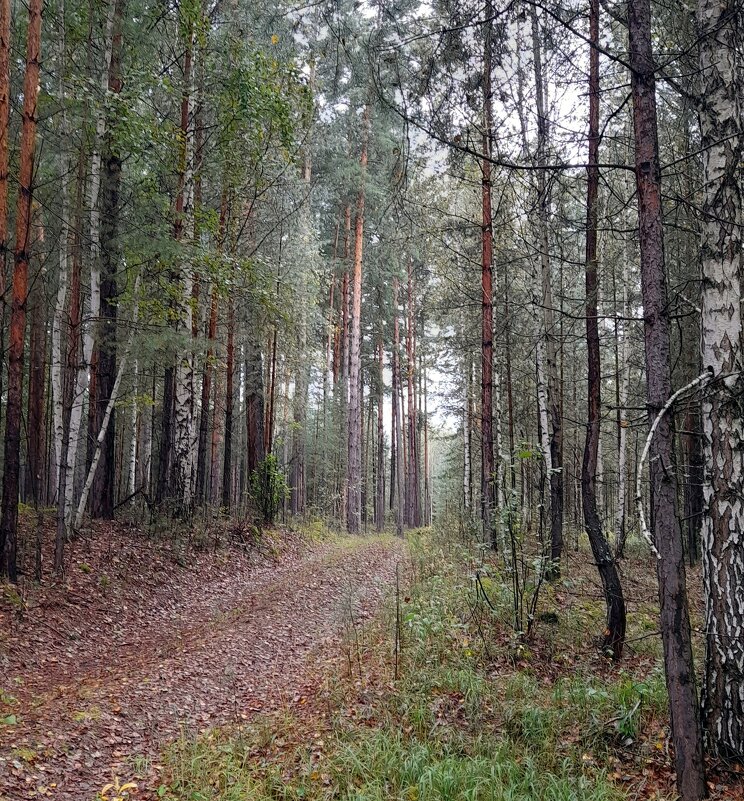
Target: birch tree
[(721, 112)]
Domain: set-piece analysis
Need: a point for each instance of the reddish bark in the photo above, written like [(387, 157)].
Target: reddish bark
[(11, 464), (5, 15), (354, 462)]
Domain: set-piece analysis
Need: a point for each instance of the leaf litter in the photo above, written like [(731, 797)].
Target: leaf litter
[(95, 681)]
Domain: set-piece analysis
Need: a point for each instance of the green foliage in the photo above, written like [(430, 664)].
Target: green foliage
[(268, 489)]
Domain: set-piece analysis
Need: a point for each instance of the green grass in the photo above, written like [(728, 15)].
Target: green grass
[(469, 718)]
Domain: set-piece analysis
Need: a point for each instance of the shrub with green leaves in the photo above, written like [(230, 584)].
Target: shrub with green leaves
[(268, 489)]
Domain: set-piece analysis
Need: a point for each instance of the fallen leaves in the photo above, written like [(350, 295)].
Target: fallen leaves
[(167, 649)]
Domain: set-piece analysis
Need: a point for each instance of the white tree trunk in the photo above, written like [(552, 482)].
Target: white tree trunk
[(83, 372), (61, 301), (184, 429), (107, 415), (132, 488), (722, 139), (622, 456)]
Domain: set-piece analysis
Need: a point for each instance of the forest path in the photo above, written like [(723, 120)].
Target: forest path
[(239, 650)]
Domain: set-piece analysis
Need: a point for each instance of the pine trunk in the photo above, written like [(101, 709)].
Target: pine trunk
[(396, 479), (380, 468), (11, 463), (412, 483), (354, 463), (254, 403), (229, 401), (675, 622), (614, 636)]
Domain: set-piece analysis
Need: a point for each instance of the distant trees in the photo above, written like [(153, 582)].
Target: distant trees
[(325, 214)]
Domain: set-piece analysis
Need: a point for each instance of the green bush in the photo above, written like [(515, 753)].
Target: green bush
[(268, 489)]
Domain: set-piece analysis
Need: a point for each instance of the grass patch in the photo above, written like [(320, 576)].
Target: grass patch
[(467, 712)]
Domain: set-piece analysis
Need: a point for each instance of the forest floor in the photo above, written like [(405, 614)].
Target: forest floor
[(132, 650)]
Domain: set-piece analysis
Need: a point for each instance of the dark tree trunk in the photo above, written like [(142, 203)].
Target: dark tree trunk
[(227, 455), (412, 482), (487, 461), (5, 101), (202, 490), (103, 491), (35, 428), (380, 468), (254, 404), (206, 394), (614, 636), (396, 469), (5, 44), (675, 622), (11, 463)]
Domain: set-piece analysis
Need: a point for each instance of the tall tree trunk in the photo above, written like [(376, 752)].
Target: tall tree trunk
[(615, 630), (721, 114), (554, 431), (215, 475), (134, 438), (183, 417), (58, 356), (36, 374), (298, 477), (101, 436), (5, 101), (206, 394), (254, 402), (670, 567), (70, 377), (487, 462), (380, 469), (623, 369), (412, 482), (397, 474), (11, 463), (229, 400), (165, 451), (467, 436), (105, 361), (354, 464), (427, 480), (83, 371), (202, 494)]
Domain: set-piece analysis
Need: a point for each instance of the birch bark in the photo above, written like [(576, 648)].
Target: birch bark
[(721, 30)]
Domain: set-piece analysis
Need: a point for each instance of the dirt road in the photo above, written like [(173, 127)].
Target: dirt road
[(234, 646)]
